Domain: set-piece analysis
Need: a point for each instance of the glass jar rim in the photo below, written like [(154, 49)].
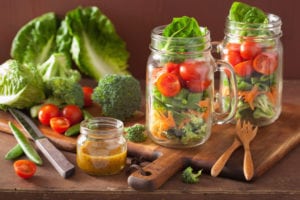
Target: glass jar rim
[(102, 127), (158, 38), (273, 25)]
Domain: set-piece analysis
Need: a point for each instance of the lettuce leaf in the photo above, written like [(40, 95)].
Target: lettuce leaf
[(35, 41), (21, 86), (96, 47)]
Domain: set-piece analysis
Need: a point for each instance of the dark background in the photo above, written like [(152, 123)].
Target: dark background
[(134, 20)]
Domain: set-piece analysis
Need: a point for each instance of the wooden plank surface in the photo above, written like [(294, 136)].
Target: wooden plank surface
[(271, 144)]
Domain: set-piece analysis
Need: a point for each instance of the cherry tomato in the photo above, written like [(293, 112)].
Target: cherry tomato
[(172, 67), (194, 70), (168, 84), (265, 63), (73, 113), (232, 47), (249, 49), (46, 112), (198, 85), (87, 92), (244, 68), (233, 57), (59, 124), (24, 168)]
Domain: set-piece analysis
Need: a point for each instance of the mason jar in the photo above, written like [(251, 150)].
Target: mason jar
[(180, 100), (256, 54), (101, 146)]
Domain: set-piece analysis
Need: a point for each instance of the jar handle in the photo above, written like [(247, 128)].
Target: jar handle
[(221, 117)]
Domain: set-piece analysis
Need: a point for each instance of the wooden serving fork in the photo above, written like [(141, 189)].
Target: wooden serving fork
[(246, 134)]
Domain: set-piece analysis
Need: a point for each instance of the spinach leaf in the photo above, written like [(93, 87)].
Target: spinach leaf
[(242, 12), (183, 34)]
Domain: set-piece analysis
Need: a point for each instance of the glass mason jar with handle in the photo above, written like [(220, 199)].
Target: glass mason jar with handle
[(180, 96), (256, 54)]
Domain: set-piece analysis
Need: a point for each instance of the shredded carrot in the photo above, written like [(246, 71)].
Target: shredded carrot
[(272, 95), (249, 96), (161, 122)]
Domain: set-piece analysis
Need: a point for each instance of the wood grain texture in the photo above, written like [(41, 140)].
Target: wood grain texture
[(271, 144)]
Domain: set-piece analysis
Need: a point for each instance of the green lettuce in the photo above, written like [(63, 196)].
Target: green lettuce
[(21, 86), (241, 12), (96, 47), (35, 41)]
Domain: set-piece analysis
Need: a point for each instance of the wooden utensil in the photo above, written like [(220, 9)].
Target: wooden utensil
[(220, 163), (246, 134)]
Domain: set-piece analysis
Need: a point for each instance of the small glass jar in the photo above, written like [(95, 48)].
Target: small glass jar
[(101, 146), (256, 54), (180, 93)]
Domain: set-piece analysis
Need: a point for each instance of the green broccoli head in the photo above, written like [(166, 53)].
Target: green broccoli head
[(136, 133), (58, 65), (119, 95), (263, 107), (188, 176), (63, 91)]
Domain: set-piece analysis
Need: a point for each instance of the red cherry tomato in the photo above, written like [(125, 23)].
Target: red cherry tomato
[(265, 63), (244, 68), (172, 67), (233, 57), (232, 47), (249, 49), (87, 92), (59, 124), (46, 112), (194, 70), (198, 85), (168, 84), (24, 168), (73, 113)]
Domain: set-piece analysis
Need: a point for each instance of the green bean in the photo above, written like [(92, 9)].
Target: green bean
[(28, 149), (14, 152)]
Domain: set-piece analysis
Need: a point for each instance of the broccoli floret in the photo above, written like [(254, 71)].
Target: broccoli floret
[(58, 65), (194, 131), (263, 107), (136, 133), (119, 95), (188, 176), (62, 91)]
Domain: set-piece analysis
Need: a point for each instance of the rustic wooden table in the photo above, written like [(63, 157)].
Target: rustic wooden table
[(280, 182)]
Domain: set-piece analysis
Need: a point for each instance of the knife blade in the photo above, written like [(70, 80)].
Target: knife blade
[(55, 157)]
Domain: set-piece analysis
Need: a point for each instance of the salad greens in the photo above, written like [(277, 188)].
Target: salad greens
[(35, 41), (20, 86), (183, 27), (85, 36), (96, 47), (241, 12)]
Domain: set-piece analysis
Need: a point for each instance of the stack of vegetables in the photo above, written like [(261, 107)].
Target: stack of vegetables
[(254, 55), (180, 86)]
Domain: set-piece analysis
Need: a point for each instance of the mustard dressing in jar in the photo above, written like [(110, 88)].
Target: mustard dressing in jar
[(101, 147)]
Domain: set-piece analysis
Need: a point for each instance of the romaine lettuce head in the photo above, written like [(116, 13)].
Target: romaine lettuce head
[(35, 41), (96, 47), (21, 86)]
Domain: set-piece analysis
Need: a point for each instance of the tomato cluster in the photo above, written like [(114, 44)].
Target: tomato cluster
[(59, 120), (249, 57), (191, 74)]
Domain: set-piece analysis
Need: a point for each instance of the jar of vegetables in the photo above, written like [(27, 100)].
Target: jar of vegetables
[(180, 85), (101, 147), (252, 45)]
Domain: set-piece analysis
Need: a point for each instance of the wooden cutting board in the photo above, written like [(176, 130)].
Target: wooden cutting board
[(271, 144)]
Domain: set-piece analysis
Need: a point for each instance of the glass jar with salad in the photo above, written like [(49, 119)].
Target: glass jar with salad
[(252, 46), (101, 147), (180, 85)]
